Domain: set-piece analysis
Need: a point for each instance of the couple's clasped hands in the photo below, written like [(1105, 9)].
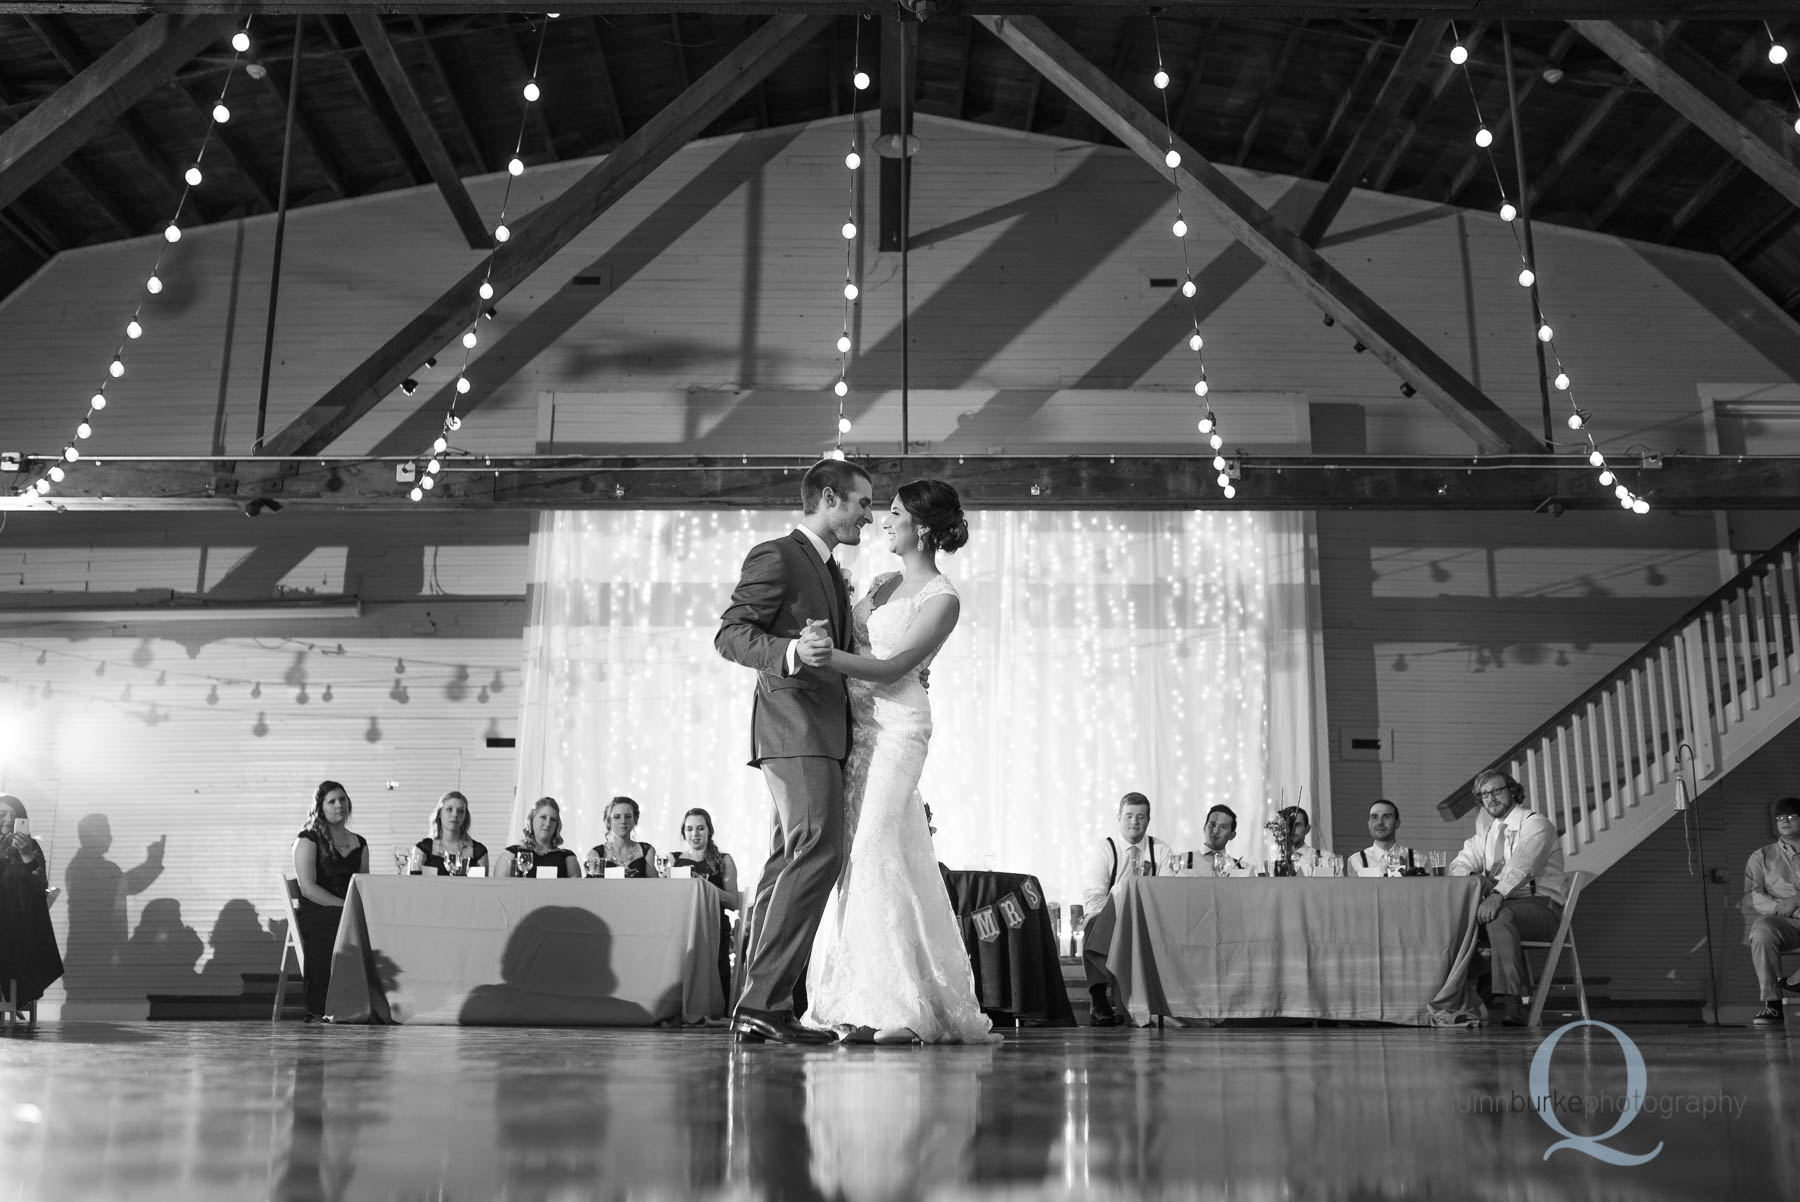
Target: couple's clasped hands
[(814, 644)]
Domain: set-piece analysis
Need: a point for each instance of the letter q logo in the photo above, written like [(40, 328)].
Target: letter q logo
[(1635, 1078)]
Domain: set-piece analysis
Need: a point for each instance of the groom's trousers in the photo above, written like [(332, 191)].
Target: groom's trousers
[(806, 854)]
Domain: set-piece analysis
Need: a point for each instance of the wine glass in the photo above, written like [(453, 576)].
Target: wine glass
[(402, 858), (456, 862), (523, 861)]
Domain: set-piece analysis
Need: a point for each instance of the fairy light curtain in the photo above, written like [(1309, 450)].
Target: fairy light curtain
[(1170, 653)]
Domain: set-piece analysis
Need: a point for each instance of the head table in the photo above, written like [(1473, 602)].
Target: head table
[(521, 951), (1384, 949)]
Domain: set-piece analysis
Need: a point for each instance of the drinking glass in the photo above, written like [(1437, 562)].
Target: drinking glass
[(523, 862), (402, 859), (455, 862)]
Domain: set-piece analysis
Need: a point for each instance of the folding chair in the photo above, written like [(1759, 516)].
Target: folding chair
[(9, 1007), (291, 891), (1565, 938)]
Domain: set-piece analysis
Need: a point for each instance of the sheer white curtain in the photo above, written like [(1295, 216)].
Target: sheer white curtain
[(1174, 654)]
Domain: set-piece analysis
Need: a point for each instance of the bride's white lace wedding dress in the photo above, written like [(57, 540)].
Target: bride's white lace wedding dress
[(889, 953)]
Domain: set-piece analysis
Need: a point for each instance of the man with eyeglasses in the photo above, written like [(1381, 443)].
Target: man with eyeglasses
[(1772, 895), (1516, 853)]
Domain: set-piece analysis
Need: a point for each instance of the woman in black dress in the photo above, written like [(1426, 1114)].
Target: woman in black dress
[(326, 855), (449, 835), (542, 845), (621, 850), (29, 959), (702, 855)]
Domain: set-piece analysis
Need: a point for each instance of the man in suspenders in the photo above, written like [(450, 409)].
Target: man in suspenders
[(1133, 852), (1374, 860)]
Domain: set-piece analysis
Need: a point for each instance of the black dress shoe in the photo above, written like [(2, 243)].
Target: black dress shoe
[(774, 1026)]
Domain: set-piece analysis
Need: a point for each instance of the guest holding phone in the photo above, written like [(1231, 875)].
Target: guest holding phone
[(447, 850), (28, 954), (327, 853), (542, 845), (622, 849), (700, 853)]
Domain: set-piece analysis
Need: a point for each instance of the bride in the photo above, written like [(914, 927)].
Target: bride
[(888, 963)]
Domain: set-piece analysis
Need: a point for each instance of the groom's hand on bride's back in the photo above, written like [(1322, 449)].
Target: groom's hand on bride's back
[(925, 679)]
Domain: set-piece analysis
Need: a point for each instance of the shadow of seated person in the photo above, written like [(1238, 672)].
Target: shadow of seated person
[(162, 952), (240, 945), (556, 971)]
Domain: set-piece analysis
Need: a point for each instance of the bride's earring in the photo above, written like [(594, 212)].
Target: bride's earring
[(922, 540)]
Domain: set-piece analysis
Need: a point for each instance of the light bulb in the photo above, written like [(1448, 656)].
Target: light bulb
[(836, 453), (1797, 125), (1484, 137), (1545, 333), (1459, 54), (173, 233), (1200, 388), (853, 160), (843, 425), (83, 430), (469, 339), (1621, 492), (1206, 424), (1507, 211), (1640, 505), (1527, 278), (221, 114), (97, 402), (1160, 79), (434, 467), (1230, 492), (849, 290), (453, 423), (1188, 288), (133, 329), (193, 177), (532, 92), (1607, 478), (56, 473), (515, 166), (1218, 463), (240, 42), (1625, 501), (116, 368), (153, 285), (842, 388), (1195, 342), (1575, 422), (1224, 480), (1596, 459), (462, 384), (861, 80), (71, 454), (1562, 381), (417, 494), (486, 290), (1778, 54), (43, 486), (1216, 442), (1180, 228), (439, 444), (1173, 158), (428, 482), (501, 233), (849, 230), (843, 343)]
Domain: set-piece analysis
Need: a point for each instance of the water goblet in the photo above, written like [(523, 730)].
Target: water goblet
[(402, 859)]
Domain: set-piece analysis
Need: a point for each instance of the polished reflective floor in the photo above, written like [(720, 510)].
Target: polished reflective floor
[(217, 1110)]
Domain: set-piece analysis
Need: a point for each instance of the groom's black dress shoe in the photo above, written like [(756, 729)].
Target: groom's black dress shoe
[(774, 1026)]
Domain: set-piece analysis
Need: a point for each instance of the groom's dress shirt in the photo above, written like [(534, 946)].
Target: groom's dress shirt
[(818, 544), (1520, 852), (1217, 863), (1372, 861), (1111, 861)]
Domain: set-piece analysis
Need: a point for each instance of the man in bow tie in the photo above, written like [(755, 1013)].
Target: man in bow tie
[(1519, 858)]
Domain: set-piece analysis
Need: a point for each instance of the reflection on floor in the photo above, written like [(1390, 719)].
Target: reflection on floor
[(215, 1110)]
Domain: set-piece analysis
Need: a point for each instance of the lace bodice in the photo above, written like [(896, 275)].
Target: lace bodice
[(878, 630)]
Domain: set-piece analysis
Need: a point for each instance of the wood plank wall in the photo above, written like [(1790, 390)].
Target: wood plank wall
[(1034, 280)]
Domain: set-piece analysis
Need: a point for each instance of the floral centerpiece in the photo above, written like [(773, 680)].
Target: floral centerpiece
[(1281, 834)]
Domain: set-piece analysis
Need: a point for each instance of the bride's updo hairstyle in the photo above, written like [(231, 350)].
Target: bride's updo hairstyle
[(937, 514)]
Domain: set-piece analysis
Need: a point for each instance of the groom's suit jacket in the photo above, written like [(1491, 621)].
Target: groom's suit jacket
[(784, 582)]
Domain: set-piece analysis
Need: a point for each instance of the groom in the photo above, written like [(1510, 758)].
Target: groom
[(799, 736)]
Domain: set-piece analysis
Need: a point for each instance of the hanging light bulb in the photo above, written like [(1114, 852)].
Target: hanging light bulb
[(843, 342), (1180, 228), (56, 472), (1527, 277), (453, 423), (1173, 158), (173, 233), (417, 493), (1160, 79), (861, 80), (1639, 505), (462, 384), (843, 425), (1216, 442), (515, 166), (133, 329), (1195, 342), (43, 486), (439, 445), (1625, 501), (1508, 211), (1778, 54), (97, 402), (71, 454), (1224, 480), (1230, 490), (1596, 459), (1545, 333), (1218, 463), (842, 388), (428, 482), (532, 91), (1188, 287), (1459, 54), (501, 234), (836, 453), (115, 369), (1484, 137), (153, 285), (193, 177), (849, 230), (83, 430), (486, 290), (221, 114), (1562, 381), (1797, 125), (1607, 478), (853, 160), (1577, 420), (240, 42), (434, 467), (1201, 388), (1206, 422), (850, 290), (469, 339)]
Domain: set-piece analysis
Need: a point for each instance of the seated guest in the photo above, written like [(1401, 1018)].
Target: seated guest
[(542, 845), (449, 836), (1212, 859), (326, 855), (1519, 858), (1379, 856), (1307, 860), (1772, 894), (1133, 853), (29, 960), (700, 853), (621, 850)]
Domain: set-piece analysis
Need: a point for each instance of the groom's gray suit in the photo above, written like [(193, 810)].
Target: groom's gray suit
[(799, 736)]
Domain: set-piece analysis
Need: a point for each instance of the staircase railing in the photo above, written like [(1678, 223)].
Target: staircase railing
[(1611, 756)]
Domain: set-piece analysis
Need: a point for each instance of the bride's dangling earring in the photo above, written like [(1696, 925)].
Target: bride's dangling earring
[(921, 540)]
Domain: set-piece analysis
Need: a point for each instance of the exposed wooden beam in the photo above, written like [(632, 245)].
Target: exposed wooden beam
[(1270, 91), (612, 117), (1346, 98), (458, 115), (544, 232), (1753, 242), (1420, 45), (114, 82), (1343, 10), (24, 223), (224, 142), (961, 96), (1751, 133), (423, 135), (1191, 77), (1207, 188), (1471, 162), (681, 67), (1048, 482), (1471, 40), (374, 98)]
